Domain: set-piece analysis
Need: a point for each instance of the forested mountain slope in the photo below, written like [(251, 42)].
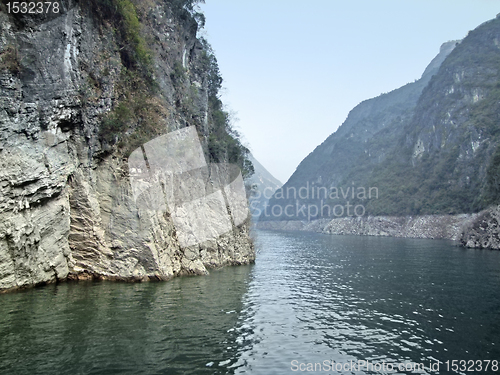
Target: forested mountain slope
[(429, 147)]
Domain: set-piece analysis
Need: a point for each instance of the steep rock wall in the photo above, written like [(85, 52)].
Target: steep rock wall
[(66, 208)]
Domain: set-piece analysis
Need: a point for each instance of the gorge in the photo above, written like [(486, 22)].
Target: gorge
[(121, 160), (428, 148)]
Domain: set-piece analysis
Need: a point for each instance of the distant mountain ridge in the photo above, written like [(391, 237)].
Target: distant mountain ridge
[(429, 147), (263, 185)]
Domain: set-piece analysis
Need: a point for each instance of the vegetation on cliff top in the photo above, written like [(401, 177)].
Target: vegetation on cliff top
[(457, 120), (141, 111), (10, 60)]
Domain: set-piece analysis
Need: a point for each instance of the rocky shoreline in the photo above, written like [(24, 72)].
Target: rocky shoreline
[(478, 230), (484, 231)]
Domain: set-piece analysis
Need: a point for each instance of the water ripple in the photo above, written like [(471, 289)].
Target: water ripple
[(309, 298)]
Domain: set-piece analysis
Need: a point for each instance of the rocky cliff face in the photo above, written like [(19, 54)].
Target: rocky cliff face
[(79, 90)]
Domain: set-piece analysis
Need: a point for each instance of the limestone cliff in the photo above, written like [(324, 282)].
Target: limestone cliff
[(80, 90)]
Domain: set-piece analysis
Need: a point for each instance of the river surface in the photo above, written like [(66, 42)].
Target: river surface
[(310, 302)]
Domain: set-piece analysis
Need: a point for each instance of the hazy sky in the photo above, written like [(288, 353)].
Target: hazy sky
[(294, 69)]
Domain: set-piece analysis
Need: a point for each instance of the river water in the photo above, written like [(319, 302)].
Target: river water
[(357, 305)]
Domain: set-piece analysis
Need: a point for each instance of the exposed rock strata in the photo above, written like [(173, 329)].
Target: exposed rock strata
[(481, 230), (432, 226), (66, 208)]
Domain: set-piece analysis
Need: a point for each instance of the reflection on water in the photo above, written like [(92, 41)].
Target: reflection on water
[(381, 300), (309, 298), (184, 326)]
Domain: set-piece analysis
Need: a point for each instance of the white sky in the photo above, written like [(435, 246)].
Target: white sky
[(293, 70)]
